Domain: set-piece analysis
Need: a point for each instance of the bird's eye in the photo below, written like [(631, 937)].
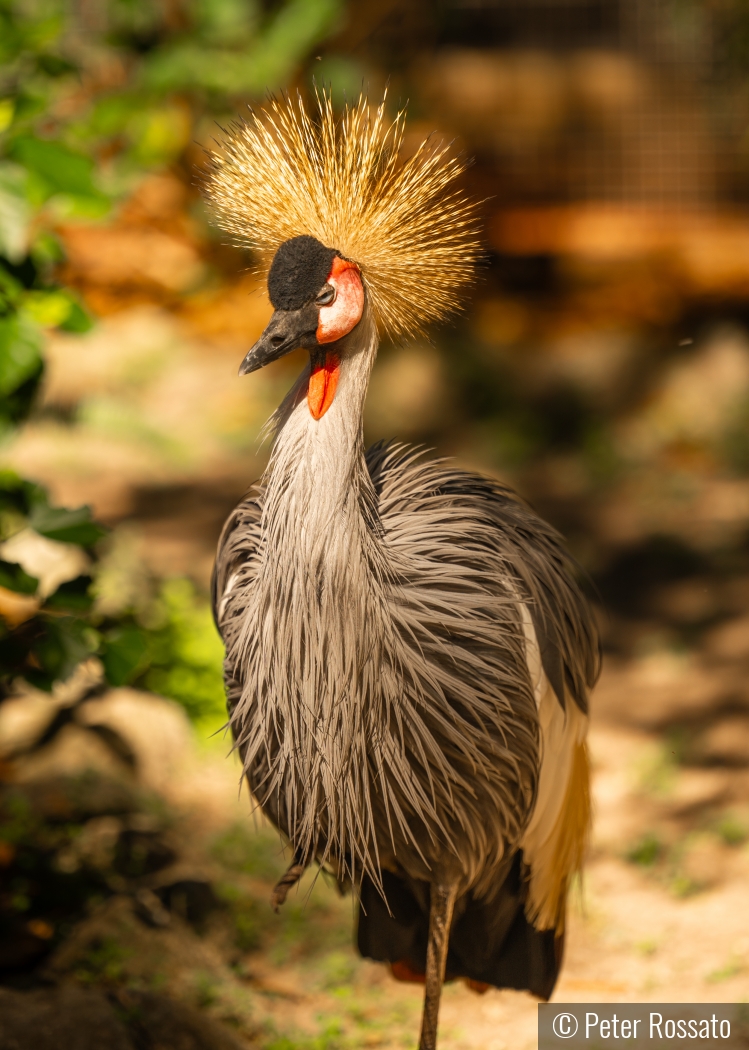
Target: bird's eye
[(326, 296)]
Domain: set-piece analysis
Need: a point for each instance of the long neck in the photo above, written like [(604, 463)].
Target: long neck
[(317, 484), (311, 636)]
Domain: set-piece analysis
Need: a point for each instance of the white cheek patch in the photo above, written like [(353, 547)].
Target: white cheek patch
[(345, 311)]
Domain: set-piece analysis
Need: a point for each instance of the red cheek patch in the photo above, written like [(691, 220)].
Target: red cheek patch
[(345, 311)]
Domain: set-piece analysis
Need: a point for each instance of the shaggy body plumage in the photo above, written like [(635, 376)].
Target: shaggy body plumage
[(408, 656), (385, 682)]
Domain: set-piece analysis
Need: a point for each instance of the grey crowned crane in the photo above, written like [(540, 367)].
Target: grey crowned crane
[(408, 654)]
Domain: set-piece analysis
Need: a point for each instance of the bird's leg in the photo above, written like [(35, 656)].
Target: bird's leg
[(290, 878), (440, 920)]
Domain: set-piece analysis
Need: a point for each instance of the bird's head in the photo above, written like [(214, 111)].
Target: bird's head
[(318, 298), (288, 182)]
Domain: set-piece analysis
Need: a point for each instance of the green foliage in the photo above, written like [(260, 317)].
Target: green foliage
[(13, 578), (15, 208), (103, 963), (50, 642), (55, 168), (167, 644), (732, 829), (213, 56), (732, 968), (185, 654), (131, 95), (250, 920), (67, 526), (61, 642), (337, 970), (646, 851), (19, 822), (73, 596), (20, 365), (233, 52), (124, 653), (683, 885), (251, 851), (24, 504)]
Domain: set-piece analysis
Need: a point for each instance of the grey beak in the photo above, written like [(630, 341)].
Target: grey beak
[(287, 330)]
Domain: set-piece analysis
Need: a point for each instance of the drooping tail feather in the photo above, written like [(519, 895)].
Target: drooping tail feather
[(491, 941)]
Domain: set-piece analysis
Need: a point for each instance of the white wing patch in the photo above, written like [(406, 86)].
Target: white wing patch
[(556, 836)]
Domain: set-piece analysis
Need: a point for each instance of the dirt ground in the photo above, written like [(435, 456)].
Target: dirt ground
[(661, 914), (672, 930)]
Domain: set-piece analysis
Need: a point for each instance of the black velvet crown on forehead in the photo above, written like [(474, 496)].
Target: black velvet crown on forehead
[(298, 272)]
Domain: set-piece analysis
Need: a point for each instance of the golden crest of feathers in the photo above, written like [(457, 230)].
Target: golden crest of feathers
[(286, 171)]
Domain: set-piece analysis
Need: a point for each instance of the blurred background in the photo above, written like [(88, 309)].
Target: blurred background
[(601, 367)]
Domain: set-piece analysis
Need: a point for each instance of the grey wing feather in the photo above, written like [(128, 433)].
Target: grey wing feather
[(237, 546), (562, 617)]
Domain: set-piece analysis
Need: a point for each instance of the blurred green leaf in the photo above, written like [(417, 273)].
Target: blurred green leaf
[(70, 206), (47, 249), (72, 596), (125, 649), (10, 291), (266, 63), (18, 493), (14, 578), (189, 66), (13, 504), (15, 407), (298, 26), (63, 170), (733, 829), (20, 353), (341, 75), (32, 30), (7, 109), (186, 654), (110, 115), (49, 308), (77, 320), (15, 213), (67, 526), (64, 641), (134, 23), (646, 851), (56, 308), (227, 21), (32, 101), (254, 851), (9, 36), (11, 520), (55, 65), (160, 134)]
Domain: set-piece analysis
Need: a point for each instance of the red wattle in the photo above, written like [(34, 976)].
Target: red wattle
[(323, 381)]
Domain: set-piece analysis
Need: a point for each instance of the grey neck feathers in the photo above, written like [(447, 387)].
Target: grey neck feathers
[(317, 477), (310, 639)]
